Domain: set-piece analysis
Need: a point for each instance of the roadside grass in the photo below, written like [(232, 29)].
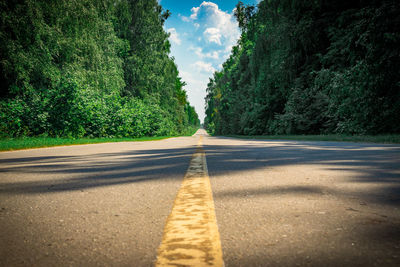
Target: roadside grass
[(7, 144), (381, 139), (37, 142)]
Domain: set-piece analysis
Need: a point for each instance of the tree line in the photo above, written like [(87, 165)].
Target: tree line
[(94, 68), (310, 67)]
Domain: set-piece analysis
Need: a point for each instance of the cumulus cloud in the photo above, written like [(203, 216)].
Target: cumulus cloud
[(220, 27), (194, 10), (213, 35), (203, 67), (174, 37)]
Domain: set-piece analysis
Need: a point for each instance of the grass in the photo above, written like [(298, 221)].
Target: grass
[(36, 142), (382, 139), (8, 144)]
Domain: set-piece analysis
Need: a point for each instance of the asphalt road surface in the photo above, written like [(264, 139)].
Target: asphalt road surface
[(277, 203)]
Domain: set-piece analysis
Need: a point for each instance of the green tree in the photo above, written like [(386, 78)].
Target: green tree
[(88, 68), (310, 67)]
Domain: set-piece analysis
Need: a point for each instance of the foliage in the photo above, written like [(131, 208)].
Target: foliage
[(95, 68), (310, 67)]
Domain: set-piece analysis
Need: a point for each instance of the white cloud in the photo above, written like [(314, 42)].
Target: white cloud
[(205, 5), (210, 35), (203, 67), (213, 35), (199, 52), (220, 27), (174, 37), (195, 10)]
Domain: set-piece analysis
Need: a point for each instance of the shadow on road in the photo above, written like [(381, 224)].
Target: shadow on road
[(346, 214), (372, 163), (367, 163), (379, 164), (94, 170)]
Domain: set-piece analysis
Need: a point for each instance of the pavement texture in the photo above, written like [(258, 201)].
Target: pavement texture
[(89, 205), (288, 203), (277, 203)]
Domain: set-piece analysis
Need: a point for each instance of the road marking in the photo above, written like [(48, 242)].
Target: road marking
[(191, 236)]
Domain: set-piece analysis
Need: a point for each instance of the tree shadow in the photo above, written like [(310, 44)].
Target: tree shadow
[(379, 164), (368, 214), (95, 170), (372, 163)]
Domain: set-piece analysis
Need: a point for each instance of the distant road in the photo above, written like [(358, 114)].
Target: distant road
[(277, 203)]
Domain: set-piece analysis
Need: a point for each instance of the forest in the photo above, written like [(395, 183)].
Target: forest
[(89, 68), (310, 67)]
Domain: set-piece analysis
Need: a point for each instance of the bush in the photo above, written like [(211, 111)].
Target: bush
[(72, 111)]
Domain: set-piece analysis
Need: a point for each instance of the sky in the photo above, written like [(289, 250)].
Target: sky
[(202, 34)]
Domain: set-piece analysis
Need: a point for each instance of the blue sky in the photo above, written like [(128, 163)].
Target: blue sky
[(202, 34)]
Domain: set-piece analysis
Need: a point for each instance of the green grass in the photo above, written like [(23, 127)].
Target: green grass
[(7, 144), (383, 139), (36, 142)]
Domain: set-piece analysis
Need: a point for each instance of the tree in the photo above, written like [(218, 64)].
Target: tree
[(310, 67), (88, 68)]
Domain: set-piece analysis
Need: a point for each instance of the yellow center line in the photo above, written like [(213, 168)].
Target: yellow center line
[(191, 236)]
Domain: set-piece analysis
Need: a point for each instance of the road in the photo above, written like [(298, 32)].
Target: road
[(276, 203)]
